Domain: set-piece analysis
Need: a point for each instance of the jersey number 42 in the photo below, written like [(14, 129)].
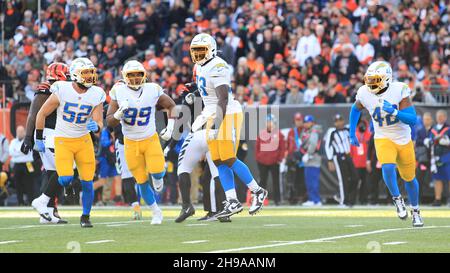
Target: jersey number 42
[(390, 119)]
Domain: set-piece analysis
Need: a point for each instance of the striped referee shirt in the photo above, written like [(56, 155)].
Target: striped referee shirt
[(337, 142)]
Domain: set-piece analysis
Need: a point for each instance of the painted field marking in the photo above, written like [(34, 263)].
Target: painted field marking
[(117, 225), (9, 242), (65, 225), (274, 225), (360, 234), (393, 243), (196, 225), (195, 242), (100, 242), (354, 226)]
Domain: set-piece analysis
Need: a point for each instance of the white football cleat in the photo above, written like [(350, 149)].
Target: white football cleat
[(399, 204), (158, 184), (55, 218), (416, 218), (40, 205), (157, 217)]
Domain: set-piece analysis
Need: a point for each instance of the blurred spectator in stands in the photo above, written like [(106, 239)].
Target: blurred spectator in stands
[(364, 50), (296, 172), (417, 69), (23, 169), (225, 50), (4, 150), (269, 152), (334, 95), (310, 144), (439, 141), (345, 64), (278, 96), (308, 46), (422, 152), (311, 92), (359, 157), (295, 96)]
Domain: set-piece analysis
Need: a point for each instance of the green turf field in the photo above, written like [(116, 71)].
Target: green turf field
[(284, 229)]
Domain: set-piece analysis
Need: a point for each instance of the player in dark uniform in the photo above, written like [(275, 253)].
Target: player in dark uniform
[(55, 72)]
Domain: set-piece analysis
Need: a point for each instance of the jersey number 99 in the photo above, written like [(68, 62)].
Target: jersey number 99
[(135, 116), (77, 117), (389, 118)]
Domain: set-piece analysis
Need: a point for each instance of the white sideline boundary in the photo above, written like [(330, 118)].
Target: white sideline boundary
[(319, 240)]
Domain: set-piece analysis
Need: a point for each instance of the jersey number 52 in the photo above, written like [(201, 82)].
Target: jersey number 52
[(73, 116), (389, 118)]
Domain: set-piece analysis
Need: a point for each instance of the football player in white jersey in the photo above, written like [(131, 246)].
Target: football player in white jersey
[(133, 105), (79, 106), (223, 118), (393, 114)]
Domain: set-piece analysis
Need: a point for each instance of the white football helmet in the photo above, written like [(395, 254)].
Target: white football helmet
[(378, 76), (134, 74), (83, 71), (203, 48)]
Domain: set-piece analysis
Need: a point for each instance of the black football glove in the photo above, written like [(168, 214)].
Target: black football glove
[(27, 145)]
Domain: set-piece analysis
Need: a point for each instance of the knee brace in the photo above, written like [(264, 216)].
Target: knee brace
[(158, 175), (65, 180)]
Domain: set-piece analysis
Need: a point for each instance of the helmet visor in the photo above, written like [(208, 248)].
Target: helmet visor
[(198, 53), (373, 82), (135, 78), (88, 76)]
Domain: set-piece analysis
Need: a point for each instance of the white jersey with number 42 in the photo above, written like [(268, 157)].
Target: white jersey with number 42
[(386, 125), (139, 120), (215, 73), (75, 109)]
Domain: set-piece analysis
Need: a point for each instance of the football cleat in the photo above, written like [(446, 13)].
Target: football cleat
[(56, 219), (40, 205), (416, 218), (399, 203), (258, 199), (157, 217), (85, 222), (208, 217), (226, 219), (186, 211), (230, 207)]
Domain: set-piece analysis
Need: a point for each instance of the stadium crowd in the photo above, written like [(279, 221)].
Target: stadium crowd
[(282, 52)]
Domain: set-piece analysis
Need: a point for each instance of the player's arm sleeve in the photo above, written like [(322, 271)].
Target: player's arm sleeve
[(355, 114), (407, 112)]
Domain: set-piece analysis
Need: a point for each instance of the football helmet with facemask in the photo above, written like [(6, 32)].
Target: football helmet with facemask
[(378, 76)]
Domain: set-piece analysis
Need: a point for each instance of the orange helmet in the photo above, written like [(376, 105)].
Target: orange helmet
[(57, 72)]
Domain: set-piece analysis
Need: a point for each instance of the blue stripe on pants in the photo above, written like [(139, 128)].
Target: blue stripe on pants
[(312, 175)]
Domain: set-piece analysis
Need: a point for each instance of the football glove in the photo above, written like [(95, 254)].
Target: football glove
[(166, 133)]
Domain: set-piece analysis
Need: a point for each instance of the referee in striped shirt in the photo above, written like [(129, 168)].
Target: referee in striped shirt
[(337, 148)]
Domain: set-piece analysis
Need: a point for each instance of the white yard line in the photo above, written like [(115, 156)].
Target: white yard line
[(9, 242), (274, 225), (117, 225), (360, 234), (352, 226), (196, 225), (195, 242), (100, 242), (77, 224), (393, 243)]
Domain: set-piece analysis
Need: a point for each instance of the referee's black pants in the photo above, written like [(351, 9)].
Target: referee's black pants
[(347, 177), (24, 183)]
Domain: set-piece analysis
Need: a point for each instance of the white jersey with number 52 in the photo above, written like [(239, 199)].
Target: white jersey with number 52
[(386, 125)]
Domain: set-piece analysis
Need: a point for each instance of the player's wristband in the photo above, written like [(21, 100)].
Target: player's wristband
[(40, 134)]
